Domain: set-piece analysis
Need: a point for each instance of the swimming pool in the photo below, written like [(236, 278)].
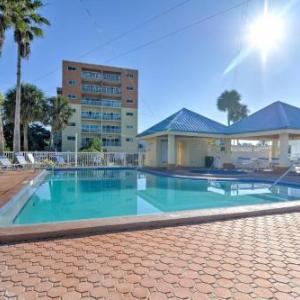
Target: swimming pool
[(106, 193)]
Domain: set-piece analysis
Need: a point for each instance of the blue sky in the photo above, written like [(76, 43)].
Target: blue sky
[(183, 70)]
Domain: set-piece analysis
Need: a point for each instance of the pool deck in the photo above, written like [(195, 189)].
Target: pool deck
[(11, 183), (249, 258)]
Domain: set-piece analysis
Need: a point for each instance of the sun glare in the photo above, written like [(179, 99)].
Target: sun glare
[(266, 33)]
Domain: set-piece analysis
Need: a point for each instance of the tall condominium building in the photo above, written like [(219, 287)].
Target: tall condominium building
[(105, 101)]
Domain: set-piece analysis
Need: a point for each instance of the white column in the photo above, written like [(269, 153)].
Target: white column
[(171, 150), (227, 152), (274, 148), (284, 150)]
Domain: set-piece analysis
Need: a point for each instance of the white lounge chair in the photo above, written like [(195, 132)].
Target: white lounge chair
[(5, 163), (22, 161), (263, 163), (30, 158), (245, 163)]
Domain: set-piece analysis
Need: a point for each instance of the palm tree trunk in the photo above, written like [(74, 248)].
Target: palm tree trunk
[(228, 118), (2, 140), (51, 140), (25, 137), (17, 137)]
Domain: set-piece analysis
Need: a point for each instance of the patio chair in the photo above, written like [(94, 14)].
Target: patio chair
[(31, 158), (274, 162), (5, 163), (59, 159), (98, 160), (22, 161), (244, 163), (262, 163)]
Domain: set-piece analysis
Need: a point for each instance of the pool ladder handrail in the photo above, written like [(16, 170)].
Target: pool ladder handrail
[(282, 175)]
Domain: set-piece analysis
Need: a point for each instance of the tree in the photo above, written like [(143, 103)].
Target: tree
[(230, 102), (23, 18), (94, 145), (32, 107), (239, 112), (59, 113), (38, 136), (2, 140)]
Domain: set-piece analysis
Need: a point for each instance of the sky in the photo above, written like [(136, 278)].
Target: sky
[(182, 69)]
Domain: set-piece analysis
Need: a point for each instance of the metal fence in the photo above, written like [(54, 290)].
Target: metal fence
[(82, 159)]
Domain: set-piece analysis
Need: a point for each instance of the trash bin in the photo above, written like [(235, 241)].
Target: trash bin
[(209, 161)]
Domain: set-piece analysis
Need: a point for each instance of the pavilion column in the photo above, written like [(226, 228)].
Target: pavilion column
[(284, 150), (227, 152), (171, 151), (274, 148)]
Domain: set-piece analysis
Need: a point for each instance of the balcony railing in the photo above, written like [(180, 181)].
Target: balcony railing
[(99, 129), (102, 102), (89, 75), (97, 89), (101, 116)]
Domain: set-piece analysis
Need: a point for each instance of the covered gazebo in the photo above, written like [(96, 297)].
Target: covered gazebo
[(186, 138)]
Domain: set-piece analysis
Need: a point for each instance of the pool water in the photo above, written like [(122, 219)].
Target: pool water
[(89, 194)]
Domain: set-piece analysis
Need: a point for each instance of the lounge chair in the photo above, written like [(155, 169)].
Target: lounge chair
[(5, 163), (245, 163), (98, 160), (30, 158), (274, 162), (263, 163), (21, 160), (59, 159)]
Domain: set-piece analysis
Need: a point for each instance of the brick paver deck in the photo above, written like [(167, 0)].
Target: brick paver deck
[(240, 259), (12, 181)]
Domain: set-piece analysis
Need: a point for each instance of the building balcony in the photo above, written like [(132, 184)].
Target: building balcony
[(97, 89), (101, 116), (101, 76), (101, 103)]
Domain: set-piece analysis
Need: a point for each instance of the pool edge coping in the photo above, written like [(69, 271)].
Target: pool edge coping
[(14, 234)]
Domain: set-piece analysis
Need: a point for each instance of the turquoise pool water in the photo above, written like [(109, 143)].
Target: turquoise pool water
[(88, 194)]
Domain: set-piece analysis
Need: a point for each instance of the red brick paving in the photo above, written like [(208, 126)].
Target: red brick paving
[(253, 258), (12, 181)]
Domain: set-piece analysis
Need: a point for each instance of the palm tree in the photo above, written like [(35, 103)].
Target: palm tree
[(239, 112), (6, 7), (25, 21), (229, 101), (59, 113), (2, 140), (32, 107)]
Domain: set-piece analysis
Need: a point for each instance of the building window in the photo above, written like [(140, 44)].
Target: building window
[(129, 126), (129, 114), (129, 139), (72, 68), (71, 138), (71, 82), (73, 110), (130, 88), (72, 124), (129, 75), (129, 101), (72, 96)]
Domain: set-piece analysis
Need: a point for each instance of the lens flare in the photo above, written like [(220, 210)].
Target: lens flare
[(266, 33)]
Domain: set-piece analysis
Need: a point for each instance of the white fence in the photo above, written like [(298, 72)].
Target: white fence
[(82, 159)]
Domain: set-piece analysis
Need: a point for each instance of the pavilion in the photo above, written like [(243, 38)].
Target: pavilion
[(186, 138)]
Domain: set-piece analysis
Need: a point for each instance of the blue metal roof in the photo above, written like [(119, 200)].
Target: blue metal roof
[(275, 116), (186, 121)]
